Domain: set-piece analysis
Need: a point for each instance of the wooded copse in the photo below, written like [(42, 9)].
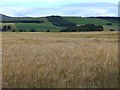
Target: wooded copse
[(83, 28), (60, 21)]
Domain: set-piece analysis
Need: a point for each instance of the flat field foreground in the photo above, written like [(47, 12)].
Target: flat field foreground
[(60, 60)]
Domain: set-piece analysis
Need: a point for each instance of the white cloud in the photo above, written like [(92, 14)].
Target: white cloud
[(16, 10), (101, 12), (85, 9)]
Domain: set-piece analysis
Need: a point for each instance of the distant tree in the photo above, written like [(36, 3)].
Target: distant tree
[(90, 27), (109, 23), (112, 30), (22, 30), (32, 30), (83, 28), (0, 29), (9, 27), (99, 28), (13, 30), (48, 30), (4, 28)]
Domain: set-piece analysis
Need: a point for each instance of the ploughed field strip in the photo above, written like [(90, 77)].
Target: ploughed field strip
[(60, 60)]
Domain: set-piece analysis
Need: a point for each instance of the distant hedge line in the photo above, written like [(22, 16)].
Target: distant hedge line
[(8, 28), (23, 21), (83, 28)]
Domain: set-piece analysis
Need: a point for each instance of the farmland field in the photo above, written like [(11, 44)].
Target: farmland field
[(60, 60), (47, 25), (84, 20), (38, 27), (42, 27)]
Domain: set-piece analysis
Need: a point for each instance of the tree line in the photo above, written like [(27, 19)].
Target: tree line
[(23, 21), (83, 28), (8, 28)]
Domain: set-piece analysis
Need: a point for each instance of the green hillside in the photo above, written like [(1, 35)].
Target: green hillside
[(96, 21), (38, 27), (47, 25), (84, 20)]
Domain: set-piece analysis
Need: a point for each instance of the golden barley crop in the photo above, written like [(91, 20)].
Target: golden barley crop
[(60, 60)]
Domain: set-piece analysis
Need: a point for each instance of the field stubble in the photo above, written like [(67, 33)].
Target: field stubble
[(59, 60)]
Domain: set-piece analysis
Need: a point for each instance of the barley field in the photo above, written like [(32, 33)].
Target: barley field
[(60, 60)]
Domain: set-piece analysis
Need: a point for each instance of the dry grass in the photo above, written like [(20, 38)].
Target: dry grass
[(60, 60)]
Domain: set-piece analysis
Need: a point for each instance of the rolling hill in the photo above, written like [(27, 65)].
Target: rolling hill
[(48, 25)]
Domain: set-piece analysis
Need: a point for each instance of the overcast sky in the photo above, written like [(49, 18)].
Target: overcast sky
[(38, 8)]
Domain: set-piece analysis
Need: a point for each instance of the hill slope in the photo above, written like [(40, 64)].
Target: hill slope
[(47, 25), (84, 20)]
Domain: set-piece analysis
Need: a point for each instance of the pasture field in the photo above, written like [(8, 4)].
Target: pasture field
[(84, 20), (43, 27), (60, 60), (96, 21)]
